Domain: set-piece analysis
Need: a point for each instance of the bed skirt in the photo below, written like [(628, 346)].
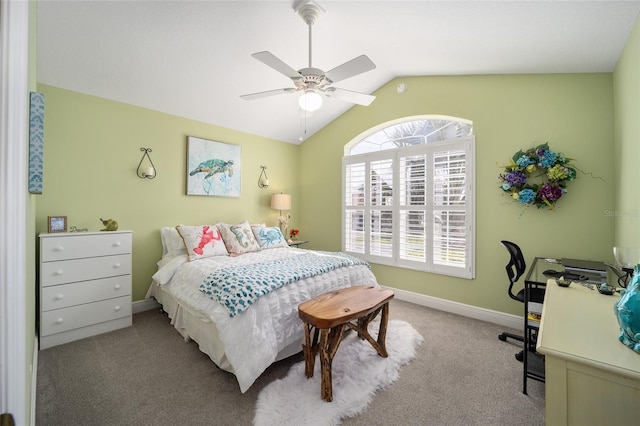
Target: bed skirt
[(194, 326)]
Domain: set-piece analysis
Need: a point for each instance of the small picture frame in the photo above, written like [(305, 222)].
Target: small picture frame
[(56, 224)]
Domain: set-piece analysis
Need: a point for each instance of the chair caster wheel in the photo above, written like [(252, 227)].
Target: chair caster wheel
[(520, 356), (502, 337)]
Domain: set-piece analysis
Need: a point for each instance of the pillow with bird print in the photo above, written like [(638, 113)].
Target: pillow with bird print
[(202, 241)]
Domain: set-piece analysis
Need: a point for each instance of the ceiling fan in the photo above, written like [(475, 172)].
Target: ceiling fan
[(313, 82)]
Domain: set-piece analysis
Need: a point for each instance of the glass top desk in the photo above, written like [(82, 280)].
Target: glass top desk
[(535, 275), (533, 363)]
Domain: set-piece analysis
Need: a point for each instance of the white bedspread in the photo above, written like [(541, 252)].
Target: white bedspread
[(253, 339)]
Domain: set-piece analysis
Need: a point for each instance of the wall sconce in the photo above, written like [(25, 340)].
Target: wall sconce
[(150, 171), (263, 179)]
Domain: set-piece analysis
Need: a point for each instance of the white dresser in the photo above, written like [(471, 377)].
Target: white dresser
[(85, 285)]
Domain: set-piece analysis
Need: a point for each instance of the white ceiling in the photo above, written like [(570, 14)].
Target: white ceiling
[(193, 58)]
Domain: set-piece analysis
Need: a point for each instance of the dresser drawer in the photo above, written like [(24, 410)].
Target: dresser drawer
[(64, 295), (81, 245), (68, 271), (78, 316)]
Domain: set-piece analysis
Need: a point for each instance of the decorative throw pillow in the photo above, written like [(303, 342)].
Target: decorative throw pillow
[(269, 237), (202, 241), (238, 238)]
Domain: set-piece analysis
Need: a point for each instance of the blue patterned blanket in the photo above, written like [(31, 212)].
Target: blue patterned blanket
[(238, 287)]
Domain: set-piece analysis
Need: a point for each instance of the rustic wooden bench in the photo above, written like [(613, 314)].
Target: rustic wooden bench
[(330, 314)]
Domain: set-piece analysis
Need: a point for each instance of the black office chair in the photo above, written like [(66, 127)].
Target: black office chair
[(515, 268)]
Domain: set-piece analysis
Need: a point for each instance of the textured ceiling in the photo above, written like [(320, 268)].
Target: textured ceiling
[(193, 59)]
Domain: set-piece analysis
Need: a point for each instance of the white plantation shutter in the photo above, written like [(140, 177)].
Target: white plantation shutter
[(413, 206), (354, 201), (449, 208)]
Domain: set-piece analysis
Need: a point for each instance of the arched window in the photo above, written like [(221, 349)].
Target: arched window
[(409, 195)]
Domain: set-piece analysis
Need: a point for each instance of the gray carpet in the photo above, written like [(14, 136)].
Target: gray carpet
[(146, 374)]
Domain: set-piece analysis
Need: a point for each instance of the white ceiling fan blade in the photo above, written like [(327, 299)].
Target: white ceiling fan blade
[(259, 95), (353, 67), (349, 96), (272, 61)]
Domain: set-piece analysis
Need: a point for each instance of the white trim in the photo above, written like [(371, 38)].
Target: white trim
[(144, 305), (14, 94), (34, 379), (482, 314)]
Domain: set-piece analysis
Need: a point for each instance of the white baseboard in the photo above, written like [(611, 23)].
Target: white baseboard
[(144, 305), (495, 317)]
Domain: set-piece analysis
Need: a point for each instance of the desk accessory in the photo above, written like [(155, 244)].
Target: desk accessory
[(567, 275), (627, 310), (605, 289)]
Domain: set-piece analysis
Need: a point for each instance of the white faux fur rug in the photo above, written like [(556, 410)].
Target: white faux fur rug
[(357, 371)]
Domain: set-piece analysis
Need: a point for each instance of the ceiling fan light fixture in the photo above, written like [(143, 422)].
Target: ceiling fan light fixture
[(310, 100)]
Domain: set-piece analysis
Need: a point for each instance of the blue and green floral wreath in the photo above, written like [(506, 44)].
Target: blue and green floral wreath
[(518, 178)]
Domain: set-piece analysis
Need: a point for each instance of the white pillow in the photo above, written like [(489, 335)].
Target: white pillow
[(269, 237), (172, 244), (238, 238), (202, 241)]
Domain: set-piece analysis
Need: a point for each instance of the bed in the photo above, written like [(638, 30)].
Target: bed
[(245, 335)]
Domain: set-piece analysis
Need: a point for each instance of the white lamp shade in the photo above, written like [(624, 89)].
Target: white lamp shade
[(310, 100), (281, 201)]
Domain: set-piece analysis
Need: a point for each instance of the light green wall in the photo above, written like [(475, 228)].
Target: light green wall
[(92, 150), (573, 112), (626, 83)]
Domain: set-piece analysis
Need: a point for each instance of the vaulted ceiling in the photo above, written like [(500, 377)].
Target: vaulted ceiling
[(193, 58)]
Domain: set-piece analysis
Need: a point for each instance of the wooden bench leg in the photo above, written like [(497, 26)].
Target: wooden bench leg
[(309, 349), (382, 332), (329, 341), (362, 328)]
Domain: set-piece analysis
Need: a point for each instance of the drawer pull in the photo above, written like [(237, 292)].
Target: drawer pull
[(117, 308), (60, 296), (117, 286), (117, 244), (59, 248), (59, 272), (59, 321), (116, 265)]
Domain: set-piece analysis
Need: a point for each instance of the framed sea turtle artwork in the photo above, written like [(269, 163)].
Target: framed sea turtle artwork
[(213, 168)]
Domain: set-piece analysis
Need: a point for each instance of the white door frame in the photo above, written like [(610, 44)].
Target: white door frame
[(14, 94)]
